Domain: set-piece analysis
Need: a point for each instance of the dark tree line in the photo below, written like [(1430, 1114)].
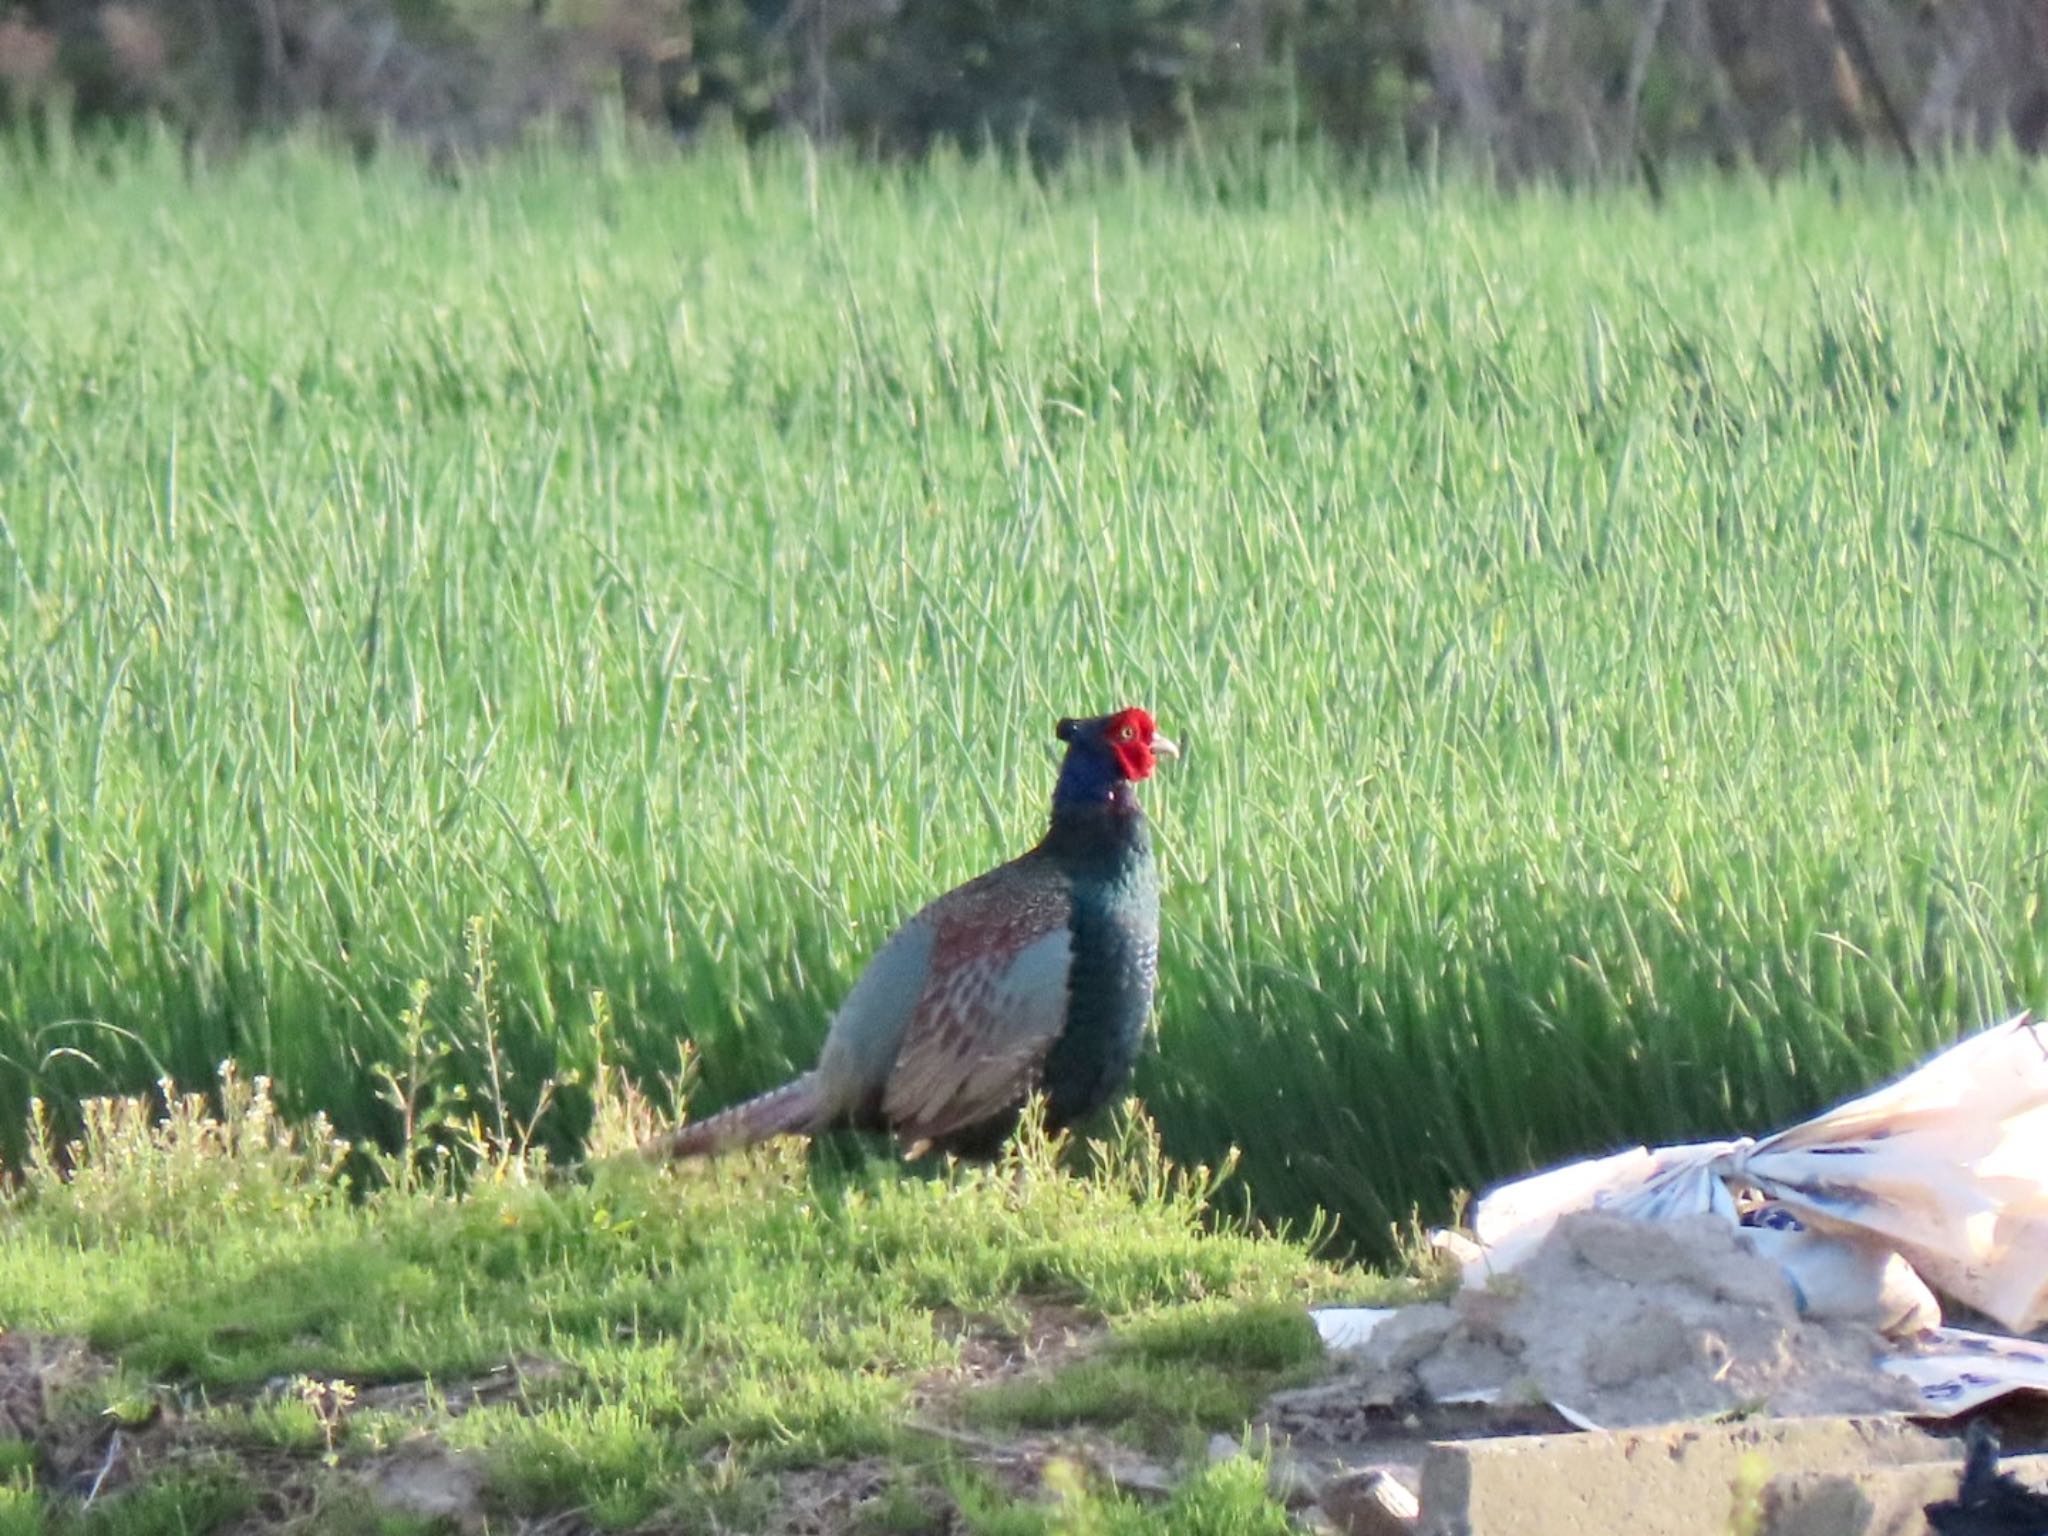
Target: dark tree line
[(1594, 86)]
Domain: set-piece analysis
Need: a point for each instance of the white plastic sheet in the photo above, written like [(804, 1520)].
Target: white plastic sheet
[(1957, 1370), (1946, 1167)]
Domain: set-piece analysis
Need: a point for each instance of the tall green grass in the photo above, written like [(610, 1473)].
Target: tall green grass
[(1608, 637)]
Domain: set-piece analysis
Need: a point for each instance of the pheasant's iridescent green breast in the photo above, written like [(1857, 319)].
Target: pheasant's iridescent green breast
[(1114, 926)]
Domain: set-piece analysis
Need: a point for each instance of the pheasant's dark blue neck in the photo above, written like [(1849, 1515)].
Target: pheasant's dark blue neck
[(1095, 816), (1089, 781)]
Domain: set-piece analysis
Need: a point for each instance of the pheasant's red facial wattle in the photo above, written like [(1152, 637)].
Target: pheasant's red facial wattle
[(1136, 744), (1122, 748)]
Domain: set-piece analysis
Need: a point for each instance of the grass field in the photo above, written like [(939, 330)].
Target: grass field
[(1607, 637)]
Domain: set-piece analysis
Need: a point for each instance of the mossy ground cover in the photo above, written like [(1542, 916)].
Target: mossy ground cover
[(209, 1328)]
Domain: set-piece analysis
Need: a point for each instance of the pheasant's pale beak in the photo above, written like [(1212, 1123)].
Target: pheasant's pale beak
[(1164, 747)]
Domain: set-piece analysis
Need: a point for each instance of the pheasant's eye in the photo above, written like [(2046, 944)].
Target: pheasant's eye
[(1128, 733)]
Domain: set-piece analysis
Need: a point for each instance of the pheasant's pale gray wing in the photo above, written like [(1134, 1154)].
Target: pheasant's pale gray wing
[(994, 1000), (868, 1029)]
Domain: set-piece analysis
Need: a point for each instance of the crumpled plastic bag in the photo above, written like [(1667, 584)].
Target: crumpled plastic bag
[(1844, 1276), (1946, 1169)]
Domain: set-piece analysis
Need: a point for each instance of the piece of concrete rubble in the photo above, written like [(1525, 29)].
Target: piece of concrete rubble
[(1371, 1503), (426, 1480), (1134, 1473), (1412, 1334), (1677, 1480)]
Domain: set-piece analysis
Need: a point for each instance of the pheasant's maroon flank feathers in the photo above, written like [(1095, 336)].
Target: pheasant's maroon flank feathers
[(1037, 974), (993, 1000)]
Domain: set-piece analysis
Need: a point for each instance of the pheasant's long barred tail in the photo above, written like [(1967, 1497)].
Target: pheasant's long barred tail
[(794, 1107)]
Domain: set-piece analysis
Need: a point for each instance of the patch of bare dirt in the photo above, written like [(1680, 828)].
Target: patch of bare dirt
[(35, 1367), (834, 1500), (990, 1350), (80, 1453), (846, 1498), (89, 1456)]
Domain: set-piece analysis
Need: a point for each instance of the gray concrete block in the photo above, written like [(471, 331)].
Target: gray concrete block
[(1675, 1480)]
